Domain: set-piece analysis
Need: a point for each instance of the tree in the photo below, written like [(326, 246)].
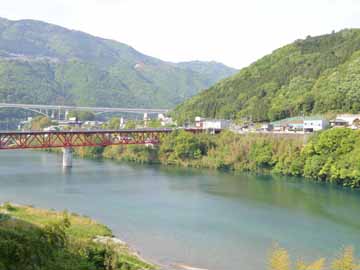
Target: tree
[(130, 124), (346, 260), (279, 259), (40, 122), (82, 115), (180, 146), (114, 123)]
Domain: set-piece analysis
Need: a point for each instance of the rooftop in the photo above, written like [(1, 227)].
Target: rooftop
[(297, 119)]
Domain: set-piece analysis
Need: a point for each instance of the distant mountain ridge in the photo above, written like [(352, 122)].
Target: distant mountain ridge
[(45, 63), (312, 76)]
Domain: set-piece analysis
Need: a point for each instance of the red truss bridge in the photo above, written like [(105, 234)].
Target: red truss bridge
[(69, 139)]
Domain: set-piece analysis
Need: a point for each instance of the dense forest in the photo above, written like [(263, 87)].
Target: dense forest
[(48, 64), (311, 76)]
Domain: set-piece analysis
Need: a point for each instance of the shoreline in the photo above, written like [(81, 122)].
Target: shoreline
[(119, 224), (42, 217), (114, 239)]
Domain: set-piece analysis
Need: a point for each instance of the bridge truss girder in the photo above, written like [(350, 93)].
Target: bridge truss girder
[(56, 139), (39, 140)]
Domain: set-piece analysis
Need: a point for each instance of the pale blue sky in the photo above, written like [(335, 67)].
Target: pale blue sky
[(234, 32)]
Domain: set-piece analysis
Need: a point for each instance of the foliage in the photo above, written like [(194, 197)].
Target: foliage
[(36, 239), (315, 75), (136, 153), (89, 152), (181, 146), (131, 124), (82, 115), (113, 123), (332, 155), (40, 122), (153, 123), (346, 260), (279, 259)]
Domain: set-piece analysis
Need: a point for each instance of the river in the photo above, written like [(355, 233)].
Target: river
[(207, 219)]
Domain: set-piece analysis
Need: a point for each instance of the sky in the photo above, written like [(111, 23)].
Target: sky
[(234, 32)]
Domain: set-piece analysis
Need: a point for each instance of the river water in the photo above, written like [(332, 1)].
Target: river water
[(202, 218)]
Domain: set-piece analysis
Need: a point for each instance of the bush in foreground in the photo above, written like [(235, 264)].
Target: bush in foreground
[(279, 259)]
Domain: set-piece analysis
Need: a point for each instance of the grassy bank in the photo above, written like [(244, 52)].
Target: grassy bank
[(40, 239), (332, 155)]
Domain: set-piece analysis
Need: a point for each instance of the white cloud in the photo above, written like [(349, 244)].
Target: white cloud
[(235, 32)]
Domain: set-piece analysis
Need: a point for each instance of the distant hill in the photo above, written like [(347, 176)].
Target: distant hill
[(45, 63), (315, 75), (212, 70)]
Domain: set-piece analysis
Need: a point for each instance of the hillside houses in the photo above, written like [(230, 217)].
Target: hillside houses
[(300, 124), (211, 124)]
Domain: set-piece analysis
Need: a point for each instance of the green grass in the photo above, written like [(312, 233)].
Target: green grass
[(81, 227), (41, 238)]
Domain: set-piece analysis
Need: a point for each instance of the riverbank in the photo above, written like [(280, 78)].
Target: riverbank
[(46, 239), (201, 218), (330, 156)]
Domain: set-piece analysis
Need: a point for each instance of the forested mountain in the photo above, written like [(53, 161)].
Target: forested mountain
[(315, 75), (45, 63)]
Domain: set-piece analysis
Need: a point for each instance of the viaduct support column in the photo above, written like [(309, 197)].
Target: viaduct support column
[(67, 157)]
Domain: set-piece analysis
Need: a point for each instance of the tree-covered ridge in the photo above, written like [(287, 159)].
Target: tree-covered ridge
[(45, 63), (315, 75)]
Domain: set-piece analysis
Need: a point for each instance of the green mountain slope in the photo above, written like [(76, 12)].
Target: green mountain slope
[(45, 63), (315, 75)]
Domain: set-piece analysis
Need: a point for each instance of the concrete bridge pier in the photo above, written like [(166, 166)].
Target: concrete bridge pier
[(67, 157)]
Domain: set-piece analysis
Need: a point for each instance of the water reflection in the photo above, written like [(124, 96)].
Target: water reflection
[(67, 172)]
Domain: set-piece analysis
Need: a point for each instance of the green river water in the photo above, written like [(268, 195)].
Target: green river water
[(211, 220)]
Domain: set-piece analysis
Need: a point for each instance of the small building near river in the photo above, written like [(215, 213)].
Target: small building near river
[(300, 123), (315, 124), (211, 124)]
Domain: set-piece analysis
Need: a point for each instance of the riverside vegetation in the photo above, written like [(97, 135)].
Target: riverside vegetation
[(36, 239), (332, 155)]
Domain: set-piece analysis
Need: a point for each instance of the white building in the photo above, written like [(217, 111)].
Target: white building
[(199, 122), (350, 119), (165, 121), (267, 127), (52, 128), (311, 125), (203, 123), (216, 124)]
